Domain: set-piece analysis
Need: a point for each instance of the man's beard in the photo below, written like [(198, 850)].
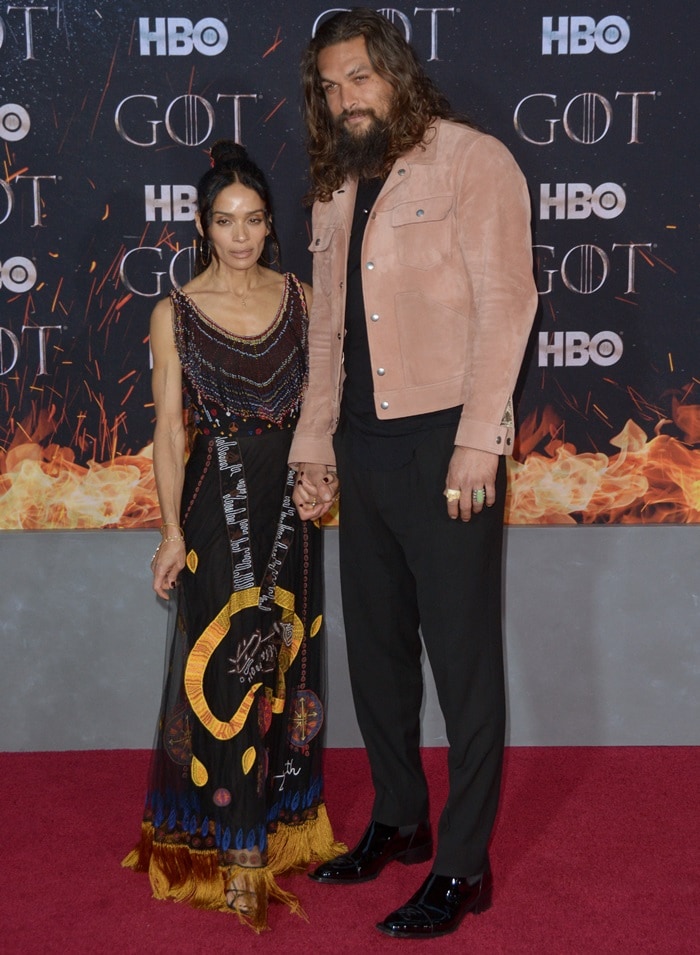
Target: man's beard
[(361, 155)]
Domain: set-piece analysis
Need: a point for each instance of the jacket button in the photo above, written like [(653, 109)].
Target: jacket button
[(375, 317), (420, 212), (499, 439), (381, 371), (318, 242), (384, 405), (370, 265), (402, 172)]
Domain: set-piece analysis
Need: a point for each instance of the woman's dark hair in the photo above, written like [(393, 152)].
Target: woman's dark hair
[(230, 163), (416, 102)]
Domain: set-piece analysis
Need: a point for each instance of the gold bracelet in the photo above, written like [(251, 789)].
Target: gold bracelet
[(166, 539), (170, 524)]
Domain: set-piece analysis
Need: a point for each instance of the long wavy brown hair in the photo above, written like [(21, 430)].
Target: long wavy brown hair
[(416, 102)]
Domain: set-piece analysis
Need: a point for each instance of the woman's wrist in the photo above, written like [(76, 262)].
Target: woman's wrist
[(171, 531)]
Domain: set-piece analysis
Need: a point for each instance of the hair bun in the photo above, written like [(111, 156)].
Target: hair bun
[(225, 152)]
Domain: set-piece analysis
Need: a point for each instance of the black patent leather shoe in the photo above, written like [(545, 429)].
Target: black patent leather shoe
[(379, 845), (438, 907)]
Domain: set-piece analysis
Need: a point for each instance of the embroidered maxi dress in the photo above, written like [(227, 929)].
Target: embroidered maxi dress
[(235, 777)]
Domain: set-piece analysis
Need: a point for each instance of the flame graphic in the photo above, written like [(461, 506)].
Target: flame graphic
[(42, 488), (648, 481), (653, 481)]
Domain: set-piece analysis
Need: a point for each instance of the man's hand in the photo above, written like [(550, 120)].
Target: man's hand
[(315, 491), (472, 473)]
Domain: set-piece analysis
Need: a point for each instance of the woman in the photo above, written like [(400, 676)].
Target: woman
[(235, 790)]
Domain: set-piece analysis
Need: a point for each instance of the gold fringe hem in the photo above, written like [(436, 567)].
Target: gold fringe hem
[(139, 858), (195, 877), (294, 847), (261, 885)]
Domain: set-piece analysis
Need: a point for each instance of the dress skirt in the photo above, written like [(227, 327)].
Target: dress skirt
[(235, 782)]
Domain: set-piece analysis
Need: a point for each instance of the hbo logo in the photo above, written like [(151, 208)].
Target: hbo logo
[(583, 35), (577, 348), (17, 274), (178, 36), (577, 200)]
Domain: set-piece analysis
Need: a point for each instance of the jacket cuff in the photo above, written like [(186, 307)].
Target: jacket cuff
[(498, 439), (311, 449)]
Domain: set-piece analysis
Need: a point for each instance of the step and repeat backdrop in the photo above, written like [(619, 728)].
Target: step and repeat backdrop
[(107, 112)]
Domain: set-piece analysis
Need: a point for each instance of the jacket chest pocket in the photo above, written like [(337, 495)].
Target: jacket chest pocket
[(322, 248), (422, 231)]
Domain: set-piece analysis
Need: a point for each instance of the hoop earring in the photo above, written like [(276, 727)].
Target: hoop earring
[(275, 259), (204, 252)]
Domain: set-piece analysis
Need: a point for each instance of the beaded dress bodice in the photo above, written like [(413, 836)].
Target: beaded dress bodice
[(236, 383)]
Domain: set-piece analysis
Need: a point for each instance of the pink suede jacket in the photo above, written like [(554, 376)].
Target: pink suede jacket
[(448, 289)]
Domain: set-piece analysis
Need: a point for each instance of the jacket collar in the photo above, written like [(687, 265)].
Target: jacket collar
[(344, 201), (426, 151)]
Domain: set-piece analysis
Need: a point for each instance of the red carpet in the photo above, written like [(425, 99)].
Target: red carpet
[(595, 851)]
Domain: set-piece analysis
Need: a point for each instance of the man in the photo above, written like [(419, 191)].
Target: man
[(423, 302)]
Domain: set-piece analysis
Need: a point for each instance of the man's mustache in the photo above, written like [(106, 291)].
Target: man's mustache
[(353, 113)]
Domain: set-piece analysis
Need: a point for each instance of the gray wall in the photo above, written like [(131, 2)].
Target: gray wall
[(601, 639)]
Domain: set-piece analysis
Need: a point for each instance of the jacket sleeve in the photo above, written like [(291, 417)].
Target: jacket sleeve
[(493, 225), (313, 437)]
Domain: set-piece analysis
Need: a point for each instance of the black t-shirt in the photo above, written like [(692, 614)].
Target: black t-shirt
[(376, 443)]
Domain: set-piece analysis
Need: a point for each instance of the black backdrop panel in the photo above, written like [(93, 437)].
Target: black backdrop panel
[(107, 112)]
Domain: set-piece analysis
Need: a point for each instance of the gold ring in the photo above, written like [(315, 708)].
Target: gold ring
[(452, 495), (479, 495)]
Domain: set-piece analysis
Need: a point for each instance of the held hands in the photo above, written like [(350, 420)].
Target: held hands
[(471, 482), (168, 560), (315, 491)]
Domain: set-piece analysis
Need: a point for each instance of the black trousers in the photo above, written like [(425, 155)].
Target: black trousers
[(404, 567)]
